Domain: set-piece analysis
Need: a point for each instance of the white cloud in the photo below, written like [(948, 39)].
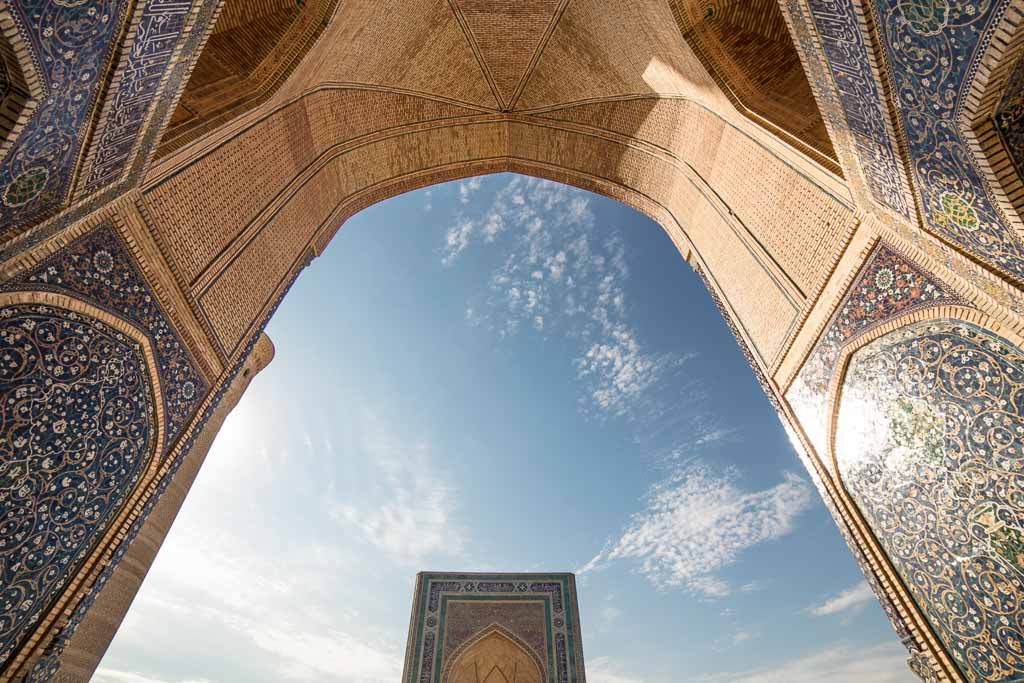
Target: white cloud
[(272, 585), (409, 510), (840, 663), (559, 276), (467, 188), (330, 655), (457, 238), (853, 598), (697, 522), (744, 636), (606, 670)]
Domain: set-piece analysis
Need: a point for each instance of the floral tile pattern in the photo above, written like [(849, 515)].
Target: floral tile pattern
[(933, 47), (98, 268), (72, 45), (887, 286), (930, 445), (538, 610), (78, 425)]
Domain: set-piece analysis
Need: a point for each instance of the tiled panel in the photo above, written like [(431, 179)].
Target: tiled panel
[(79, 426), (929, 443)]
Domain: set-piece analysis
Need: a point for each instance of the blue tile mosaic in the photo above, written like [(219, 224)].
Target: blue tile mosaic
[(72, 45), (930, 445), (78, 422), (861, 99), (932, 48), (99, 269)]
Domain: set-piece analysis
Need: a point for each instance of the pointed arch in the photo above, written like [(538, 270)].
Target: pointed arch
[(495, 655), (925, 439)]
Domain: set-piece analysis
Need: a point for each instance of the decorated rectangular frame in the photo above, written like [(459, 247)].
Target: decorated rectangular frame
[(431, 644)]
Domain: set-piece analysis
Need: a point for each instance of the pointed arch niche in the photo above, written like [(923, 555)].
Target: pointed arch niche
[(929, 446), (495, 657), (253, 47), (747, 48)]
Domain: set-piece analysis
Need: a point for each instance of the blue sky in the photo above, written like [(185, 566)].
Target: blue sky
[(504, 374)]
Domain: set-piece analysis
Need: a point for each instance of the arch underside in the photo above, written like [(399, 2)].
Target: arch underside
[(650, 152)]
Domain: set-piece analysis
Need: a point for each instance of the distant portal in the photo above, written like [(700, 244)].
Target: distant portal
[(494, 628)]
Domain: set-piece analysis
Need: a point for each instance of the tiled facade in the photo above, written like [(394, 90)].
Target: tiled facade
[(899, 243), (454, 615)]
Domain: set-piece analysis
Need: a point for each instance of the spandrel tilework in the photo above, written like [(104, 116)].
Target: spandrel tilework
[(99, 269), (929, 444), (468, 623), (78, 425), (887, 286)]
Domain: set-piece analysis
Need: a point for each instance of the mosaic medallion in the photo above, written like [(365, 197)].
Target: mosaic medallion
[(26, 186)]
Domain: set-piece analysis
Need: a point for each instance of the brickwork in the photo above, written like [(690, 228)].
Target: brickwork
[(241, 293), (508, 35), (633, 48), (746, 47), (364, 37), (249, 173), (253, 47)]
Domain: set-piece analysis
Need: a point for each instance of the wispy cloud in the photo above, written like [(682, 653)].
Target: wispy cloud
[(408, 511), (743, 636), (698, 521), (267, 582), (467, 188), (852, 599), (839, 663), (220, 587), (607, 670), (558, 275)]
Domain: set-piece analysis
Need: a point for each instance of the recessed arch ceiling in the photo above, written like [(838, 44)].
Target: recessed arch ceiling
[(508, 55), (747, 47)]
